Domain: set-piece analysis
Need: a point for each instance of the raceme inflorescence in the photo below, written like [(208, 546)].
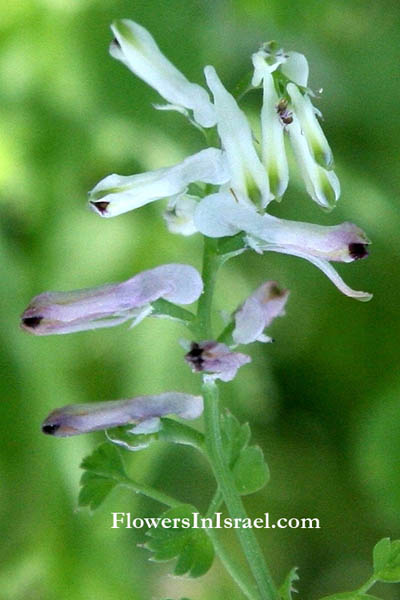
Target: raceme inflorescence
[(222, 192)]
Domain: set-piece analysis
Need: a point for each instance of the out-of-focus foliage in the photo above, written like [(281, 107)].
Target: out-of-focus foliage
[(323, 401)]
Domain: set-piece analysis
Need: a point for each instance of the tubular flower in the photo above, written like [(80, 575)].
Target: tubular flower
[(248, 178), (117, 194), (112, 304), (216, 359), (257, 312), (273, 143), (297, 117), (219, 215), (144, 411), (135, 47)]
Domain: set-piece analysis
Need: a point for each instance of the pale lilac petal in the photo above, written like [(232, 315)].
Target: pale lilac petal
[(215, 358), (257, 312), (108, 305), (136, 49), (329, 271), (117, 194), (84, 418)]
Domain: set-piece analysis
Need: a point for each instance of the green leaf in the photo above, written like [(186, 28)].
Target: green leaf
[(387, 561), (350, 596), (251, 472), (287, 587), (190, 546), (381, 554), (235, 436), (163, 308), (103, 470)]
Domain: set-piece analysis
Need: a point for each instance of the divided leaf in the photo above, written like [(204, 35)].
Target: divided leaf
[(287, 588), (249, 468), (250, 471), (387, 561), (103, 470), (192, 547)]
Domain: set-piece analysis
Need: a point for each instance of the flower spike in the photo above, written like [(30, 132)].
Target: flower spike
[(142, 410), (117, 194), (108, 305), (136, 48)]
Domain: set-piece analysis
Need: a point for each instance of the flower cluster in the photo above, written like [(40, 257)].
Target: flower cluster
[(245, 180), (236, 182)]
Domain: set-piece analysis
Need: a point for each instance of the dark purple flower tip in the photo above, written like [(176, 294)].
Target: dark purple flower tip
[(31, 322), (101, 206), (50, 429), (358, 251), (195, 356), (116, 43)]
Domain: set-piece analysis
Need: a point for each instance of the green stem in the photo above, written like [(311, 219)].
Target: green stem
[(367, 585), (223, 475), (149, 492), (211, 264), (231, 496)]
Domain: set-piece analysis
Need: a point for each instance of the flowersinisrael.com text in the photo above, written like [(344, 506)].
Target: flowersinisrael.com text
[(126, 521)]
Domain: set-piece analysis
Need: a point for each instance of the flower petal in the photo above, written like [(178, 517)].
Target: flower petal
[(179, 214), (117, 194), (296, 68), (248, 177), (258, 311), (136, 48), (322, 185), (84, 418), (108, 305), (312, 130), (326, 268), (216, 358), (273, 143)]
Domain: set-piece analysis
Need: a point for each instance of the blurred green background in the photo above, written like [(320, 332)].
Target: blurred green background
[(323, 402)]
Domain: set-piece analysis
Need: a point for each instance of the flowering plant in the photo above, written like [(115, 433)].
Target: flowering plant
[(222, 192)]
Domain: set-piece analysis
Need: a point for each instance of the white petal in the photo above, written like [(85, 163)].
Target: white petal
[(322, 185), (310, 127), (140, 53), (273, 143), (117, 194), (296, 68), (179, 214), (248, 177)]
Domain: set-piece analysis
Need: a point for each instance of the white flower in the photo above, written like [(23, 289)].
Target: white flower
[(322, 185), (249, 180), (273, 143), (179, 214), (215, 359), (311, 129), (117, 194), (136, 48)]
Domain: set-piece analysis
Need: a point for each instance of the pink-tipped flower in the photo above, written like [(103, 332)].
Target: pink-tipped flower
[(112, 304), (141, 411), (257, 312), (216, 359), (219, 215)]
